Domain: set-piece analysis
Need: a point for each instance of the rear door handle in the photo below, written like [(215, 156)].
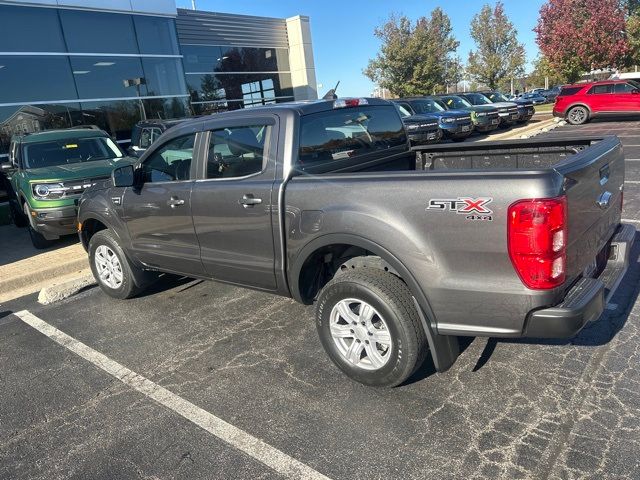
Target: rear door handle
[(175, 202), (249, 200)]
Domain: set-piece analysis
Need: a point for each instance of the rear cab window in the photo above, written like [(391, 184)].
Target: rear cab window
[(350, 136)]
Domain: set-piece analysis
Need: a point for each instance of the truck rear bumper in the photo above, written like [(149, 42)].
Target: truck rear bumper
[(587, 299)]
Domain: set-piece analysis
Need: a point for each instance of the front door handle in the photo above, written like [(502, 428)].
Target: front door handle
[(175, 202), (249, 200)]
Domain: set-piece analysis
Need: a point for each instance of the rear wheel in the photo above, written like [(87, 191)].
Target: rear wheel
[(37, 239), (110, 266), (369, 327), (578, 115)]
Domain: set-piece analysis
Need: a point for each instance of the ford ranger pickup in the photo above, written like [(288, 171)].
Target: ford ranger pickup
[(401, 250)]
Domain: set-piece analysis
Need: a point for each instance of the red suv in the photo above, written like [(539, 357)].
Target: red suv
[(578, 103)]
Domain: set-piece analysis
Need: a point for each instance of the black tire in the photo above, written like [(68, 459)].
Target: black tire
[(391, 298), (37, 239), (127, 288), (17, 216), (578, 115)]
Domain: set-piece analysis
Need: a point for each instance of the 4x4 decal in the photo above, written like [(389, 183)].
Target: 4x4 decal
[(473, 208)]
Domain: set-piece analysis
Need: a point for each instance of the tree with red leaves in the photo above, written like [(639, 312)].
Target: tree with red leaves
[(577, 36)]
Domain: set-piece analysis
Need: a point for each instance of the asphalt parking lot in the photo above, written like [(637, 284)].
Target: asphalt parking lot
[(202, 380)]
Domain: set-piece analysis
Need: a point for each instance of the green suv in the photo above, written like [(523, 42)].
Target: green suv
[(48, 171)]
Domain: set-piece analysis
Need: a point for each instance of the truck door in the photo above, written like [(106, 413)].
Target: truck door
[(233, 202), (158, 213)]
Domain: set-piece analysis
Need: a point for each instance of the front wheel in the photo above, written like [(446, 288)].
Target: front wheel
[(38, 240), (577, 115), (110, 266), (369, 327)]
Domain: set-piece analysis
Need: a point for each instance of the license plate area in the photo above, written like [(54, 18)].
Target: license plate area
[(465, 128), (495, 121)]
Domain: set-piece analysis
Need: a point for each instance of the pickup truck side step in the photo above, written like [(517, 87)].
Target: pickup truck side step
[(444, 348)]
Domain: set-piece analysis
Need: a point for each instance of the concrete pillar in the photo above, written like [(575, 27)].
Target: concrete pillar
[(303, 69)]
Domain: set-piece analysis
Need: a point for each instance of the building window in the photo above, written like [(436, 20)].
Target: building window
[(210, 87), (103, 77), (164, 76), (115, 117), (261, 92), (24, 29), (156, 35), (96, 32), (35, 78), (205, 59)]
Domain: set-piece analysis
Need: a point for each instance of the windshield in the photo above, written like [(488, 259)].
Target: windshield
[(634, 84), (456, 102), (478, 99), (70, 150), (427, 105), (498, 97), (403, 111)]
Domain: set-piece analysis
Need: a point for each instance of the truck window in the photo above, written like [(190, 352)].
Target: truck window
[(148, 135), (236, 152), (349, 133), (170, 162)]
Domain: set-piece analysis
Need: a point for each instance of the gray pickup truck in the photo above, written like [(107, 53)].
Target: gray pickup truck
[(401, 250)]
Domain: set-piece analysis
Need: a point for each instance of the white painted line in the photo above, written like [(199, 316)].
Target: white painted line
[(632, 159), (628, 220), (250, 445)]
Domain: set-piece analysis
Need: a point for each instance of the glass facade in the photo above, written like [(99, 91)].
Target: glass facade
[(64, 67), (228, 78), (70, 67)]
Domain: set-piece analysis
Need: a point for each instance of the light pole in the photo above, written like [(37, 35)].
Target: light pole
[(136, 82)]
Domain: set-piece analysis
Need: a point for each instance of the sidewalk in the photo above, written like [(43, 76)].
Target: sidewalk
[(24, 270)]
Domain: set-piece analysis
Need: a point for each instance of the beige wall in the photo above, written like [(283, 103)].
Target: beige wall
[(303, 69)]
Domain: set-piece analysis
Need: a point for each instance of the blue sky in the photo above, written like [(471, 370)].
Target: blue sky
[(342, 31)]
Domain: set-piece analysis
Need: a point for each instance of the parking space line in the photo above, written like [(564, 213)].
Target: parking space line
[(628, 220), (632, 159), (243, 441), (631, 181)]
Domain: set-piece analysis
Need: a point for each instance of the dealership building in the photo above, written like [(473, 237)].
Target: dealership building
[(112, 63)]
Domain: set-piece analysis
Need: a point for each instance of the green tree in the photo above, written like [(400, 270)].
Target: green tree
[(498, 55), (542, 69), (414, 57)]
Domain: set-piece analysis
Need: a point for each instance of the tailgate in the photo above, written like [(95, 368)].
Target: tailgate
[(594, 179)]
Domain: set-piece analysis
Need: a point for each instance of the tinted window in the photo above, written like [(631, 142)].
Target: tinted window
[(94, 32), (35, 78), (68, 151), (477, 99), (566, 91), (427, 106), (599, 89), (213, 59), (239, 87), (164, 76), (497, 97), (24, 29), (349, 133), (148, 135), (156, 35), (456, 102), (624, 88), (236, 152), (103, 77), (170, 162)]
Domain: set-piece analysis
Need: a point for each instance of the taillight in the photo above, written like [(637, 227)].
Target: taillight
[(537, 238), (349, 102)]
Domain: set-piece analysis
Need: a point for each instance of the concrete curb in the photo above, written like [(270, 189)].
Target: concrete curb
[(65, 289), (46, 272), (524, 132)]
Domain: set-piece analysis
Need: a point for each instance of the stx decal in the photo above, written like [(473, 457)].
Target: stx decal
[(473, 208)]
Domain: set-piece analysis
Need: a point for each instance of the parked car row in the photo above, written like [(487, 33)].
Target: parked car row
[(456, 116)]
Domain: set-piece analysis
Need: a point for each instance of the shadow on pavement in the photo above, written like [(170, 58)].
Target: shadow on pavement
[(15, 244)]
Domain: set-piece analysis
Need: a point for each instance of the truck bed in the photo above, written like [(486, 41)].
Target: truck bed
[(511, 154)]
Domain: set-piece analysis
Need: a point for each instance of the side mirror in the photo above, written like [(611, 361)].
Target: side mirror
[(6, 166), (123, 176), (635, 91)]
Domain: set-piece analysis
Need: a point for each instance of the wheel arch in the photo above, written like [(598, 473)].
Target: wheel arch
[(444, 348), (578, 104)]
